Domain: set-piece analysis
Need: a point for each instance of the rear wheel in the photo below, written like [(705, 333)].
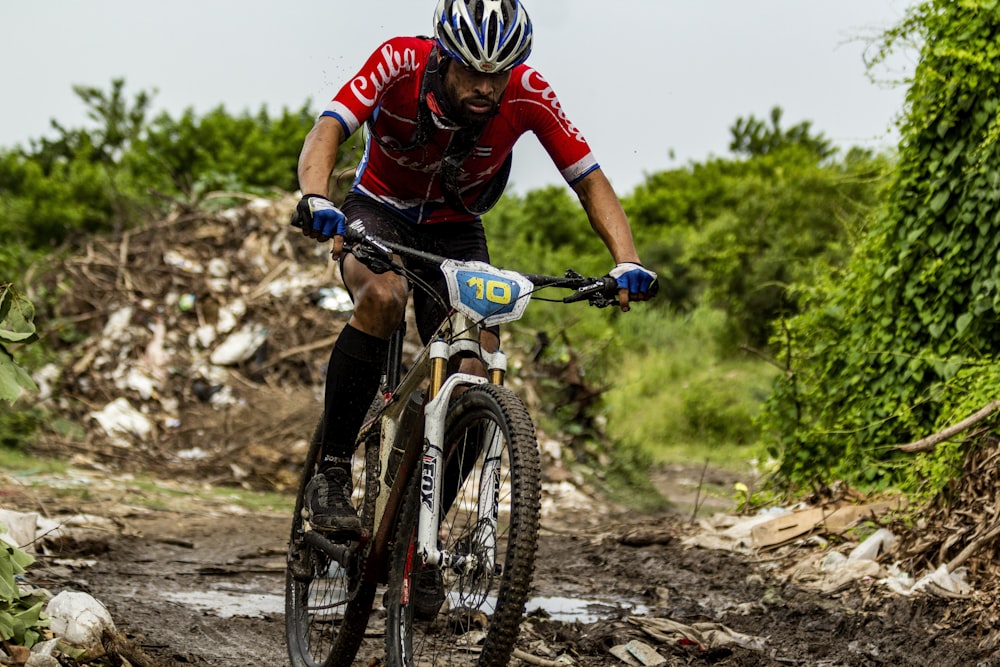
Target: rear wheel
[(490, 492), (327, 600)]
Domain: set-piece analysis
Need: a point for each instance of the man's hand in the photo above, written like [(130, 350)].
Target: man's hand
[(634, 283), (318, 218)]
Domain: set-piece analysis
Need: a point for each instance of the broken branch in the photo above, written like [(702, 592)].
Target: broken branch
[(930, 442)]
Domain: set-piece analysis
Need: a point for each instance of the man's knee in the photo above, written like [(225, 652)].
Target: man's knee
[(380, 304)]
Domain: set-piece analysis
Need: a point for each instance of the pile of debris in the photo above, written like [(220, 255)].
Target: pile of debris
[(960, 530), (194, 347)]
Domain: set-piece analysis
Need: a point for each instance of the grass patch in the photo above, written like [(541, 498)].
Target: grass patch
[(680, 400), (17, 461), (62, 482)]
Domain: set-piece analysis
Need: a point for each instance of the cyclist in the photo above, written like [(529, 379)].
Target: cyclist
[(442, 116)]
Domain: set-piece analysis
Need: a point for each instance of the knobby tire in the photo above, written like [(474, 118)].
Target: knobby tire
[(481, 608)]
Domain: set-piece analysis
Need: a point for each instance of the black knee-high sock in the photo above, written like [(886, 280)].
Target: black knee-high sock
[(351, 381)]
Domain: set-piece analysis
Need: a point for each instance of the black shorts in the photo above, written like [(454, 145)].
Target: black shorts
[(460, 240)]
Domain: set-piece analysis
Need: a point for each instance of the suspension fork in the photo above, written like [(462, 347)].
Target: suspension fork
[(442, 387), (432, 469)]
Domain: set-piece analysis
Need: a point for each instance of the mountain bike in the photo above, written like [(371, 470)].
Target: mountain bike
[(447, 485)]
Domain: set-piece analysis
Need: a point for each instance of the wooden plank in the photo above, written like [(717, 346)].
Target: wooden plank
[(830, 518), (787, 527)]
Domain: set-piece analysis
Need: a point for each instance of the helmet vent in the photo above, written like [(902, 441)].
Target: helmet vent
[(468, 38), (492, 30), (512, 43)]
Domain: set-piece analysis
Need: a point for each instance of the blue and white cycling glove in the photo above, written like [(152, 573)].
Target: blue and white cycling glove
[(633, 277), (319, 218)]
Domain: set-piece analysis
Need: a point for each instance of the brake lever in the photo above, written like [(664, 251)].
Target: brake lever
[(378, 260), (368, 250), (601, 293)]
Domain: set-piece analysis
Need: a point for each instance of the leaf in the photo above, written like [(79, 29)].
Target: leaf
[(9, 591), (30, 617), (17, 324), (13, 378), (21, 559), (939, 201), (962, 323), (6, 625)]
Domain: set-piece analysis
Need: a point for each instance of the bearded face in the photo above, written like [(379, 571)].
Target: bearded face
[(474, 95)]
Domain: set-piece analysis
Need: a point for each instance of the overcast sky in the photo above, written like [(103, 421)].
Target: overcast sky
[(653, 84)]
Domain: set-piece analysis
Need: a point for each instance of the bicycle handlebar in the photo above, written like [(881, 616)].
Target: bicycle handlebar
[(376, 254)]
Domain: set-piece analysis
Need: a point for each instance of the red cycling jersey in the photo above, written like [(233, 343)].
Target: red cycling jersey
[(388, 89)]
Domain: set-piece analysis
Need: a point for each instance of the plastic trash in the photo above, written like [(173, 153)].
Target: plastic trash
[(18, 529), (229, 315), (645, 653), (138, 382), (831, 561), (940, 581), (186, 301), (336, 299), (119, 418), (218, 267), (78, 618), (239, 346), (203, 336), (878, 543), (177, 260), (116, 325)]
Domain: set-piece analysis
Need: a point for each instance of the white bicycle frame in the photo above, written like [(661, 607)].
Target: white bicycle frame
[(436, 356)]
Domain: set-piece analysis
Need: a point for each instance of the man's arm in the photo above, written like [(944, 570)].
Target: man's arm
[(316, 162), (608, 219), (319, 156)]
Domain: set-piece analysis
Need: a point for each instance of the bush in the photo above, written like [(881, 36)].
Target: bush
[(891, 348)]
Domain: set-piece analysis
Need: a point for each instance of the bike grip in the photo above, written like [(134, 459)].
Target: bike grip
[(654, 288), (610, 289), (354, 232)]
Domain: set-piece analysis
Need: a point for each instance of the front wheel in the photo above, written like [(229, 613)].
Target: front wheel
[(470, 615)]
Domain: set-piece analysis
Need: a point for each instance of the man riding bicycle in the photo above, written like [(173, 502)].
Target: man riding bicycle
[(442, 116)]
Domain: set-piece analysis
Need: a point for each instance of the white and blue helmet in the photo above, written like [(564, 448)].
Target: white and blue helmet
[(487, 35)]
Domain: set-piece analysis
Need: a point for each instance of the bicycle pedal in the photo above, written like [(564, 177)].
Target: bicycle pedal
[(300, 571)]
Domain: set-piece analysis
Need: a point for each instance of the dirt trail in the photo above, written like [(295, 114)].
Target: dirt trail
[(200, 582)]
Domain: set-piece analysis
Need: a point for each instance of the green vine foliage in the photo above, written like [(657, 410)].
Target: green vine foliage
[(17, 327), (906, 340), (21, 617)]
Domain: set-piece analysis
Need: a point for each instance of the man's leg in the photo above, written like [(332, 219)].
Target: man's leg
[(352, 379)]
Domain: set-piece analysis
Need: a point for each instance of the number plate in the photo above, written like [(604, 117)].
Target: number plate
[(486, 293)]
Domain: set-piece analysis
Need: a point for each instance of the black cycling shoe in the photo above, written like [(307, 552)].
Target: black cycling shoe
[(329, 506), (428, 593)]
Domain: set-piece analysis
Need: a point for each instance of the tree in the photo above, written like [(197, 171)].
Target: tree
[(752, 136), (126, 169), (736, 233)]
